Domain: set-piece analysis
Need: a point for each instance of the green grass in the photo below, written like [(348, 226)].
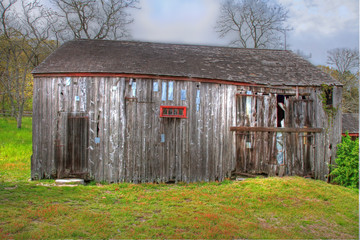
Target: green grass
[(290, 207), (15, 150)]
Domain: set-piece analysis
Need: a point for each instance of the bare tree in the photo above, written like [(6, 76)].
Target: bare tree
[(344, 59), (93, 19), (252, 23), (346, 62), (29, 32), (24, 43)]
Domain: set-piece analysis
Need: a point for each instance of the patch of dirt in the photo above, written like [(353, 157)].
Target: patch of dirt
[(46, 184), (328, 232), (141, 219)]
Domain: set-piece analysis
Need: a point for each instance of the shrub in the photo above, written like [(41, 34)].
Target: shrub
[(346, 170)]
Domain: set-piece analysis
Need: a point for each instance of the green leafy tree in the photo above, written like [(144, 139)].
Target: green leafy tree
[(346, 172)]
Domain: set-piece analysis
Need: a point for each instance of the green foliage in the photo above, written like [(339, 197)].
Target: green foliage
[(346, 172)]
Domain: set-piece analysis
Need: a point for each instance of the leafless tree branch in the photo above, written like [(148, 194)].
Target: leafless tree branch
[(91, 19), (254, 23)]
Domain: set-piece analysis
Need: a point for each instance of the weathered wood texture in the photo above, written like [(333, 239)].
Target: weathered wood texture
[(275, 129), (127, 140), (304, 144), (109, 129)]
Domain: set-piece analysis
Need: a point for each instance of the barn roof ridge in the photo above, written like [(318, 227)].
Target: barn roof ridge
[(232, 64), (183, 44)]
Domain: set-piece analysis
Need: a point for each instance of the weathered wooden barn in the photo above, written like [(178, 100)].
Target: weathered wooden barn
[(145, 112)]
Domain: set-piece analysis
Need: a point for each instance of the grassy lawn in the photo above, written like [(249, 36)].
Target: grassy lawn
[(290, 207)]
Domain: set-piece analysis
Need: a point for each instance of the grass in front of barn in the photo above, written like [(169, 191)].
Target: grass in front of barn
[(15, 150), (290, 207)]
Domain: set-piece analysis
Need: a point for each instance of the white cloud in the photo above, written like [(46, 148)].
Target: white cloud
[(181, 21), (322, 16), (319, 25)]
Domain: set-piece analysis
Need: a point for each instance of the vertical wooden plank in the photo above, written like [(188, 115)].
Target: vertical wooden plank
[(228, 141), (53, 127), (95, 140), (60, 143), (91, 101), (154, 131), (289, 158), (44, 127), (259, 143), (222, 133), (178, 134), (216, 121), (48, 118), (199, 134), (137, 136), (266, 149), (229, 134), (145, 88), (112, 106), (204, 137), (140, 117), (192, 131), (100, 131), (82, 94), (122, 129), (107, 167), (35, 171)]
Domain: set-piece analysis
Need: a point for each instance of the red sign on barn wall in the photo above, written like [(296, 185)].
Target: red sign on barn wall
[(173, 111)]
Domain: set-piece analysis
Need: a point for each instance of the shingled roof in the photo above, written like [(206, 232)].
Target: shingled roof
[(255, 66), (350, 122)]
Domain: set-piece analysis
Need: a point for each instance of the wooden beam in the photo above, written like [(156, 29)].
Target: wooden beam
[(275, 129), (147, 76)]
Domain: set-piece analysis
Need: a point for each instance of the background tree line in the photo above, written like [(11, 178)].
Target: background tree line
[(30, 31)]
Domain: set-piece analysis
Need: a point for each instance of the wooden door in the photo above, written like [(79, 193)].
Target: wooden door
[(299, 146), (256, 151), (266, 152), (73, 163)]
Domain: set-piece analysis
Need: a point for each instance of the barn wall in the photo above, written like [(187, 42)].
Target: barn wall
[(45, 118), (128, 141), (303, 153)]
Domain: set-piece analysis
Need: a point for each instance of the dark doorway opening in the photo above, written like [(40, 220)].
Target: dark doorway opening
[(280, 109)]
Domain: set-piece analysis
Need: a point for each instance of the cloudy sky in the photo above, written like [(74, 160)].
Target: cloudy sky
[(318, 25)]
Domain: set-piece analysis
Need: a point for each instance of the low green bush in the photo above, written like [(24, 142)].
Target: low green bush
[(346, 170)]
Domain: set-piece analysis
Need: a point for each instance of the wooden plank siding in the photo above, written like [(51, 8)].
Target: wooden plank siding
[(125, 129), (306, 134), (129, 141)]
